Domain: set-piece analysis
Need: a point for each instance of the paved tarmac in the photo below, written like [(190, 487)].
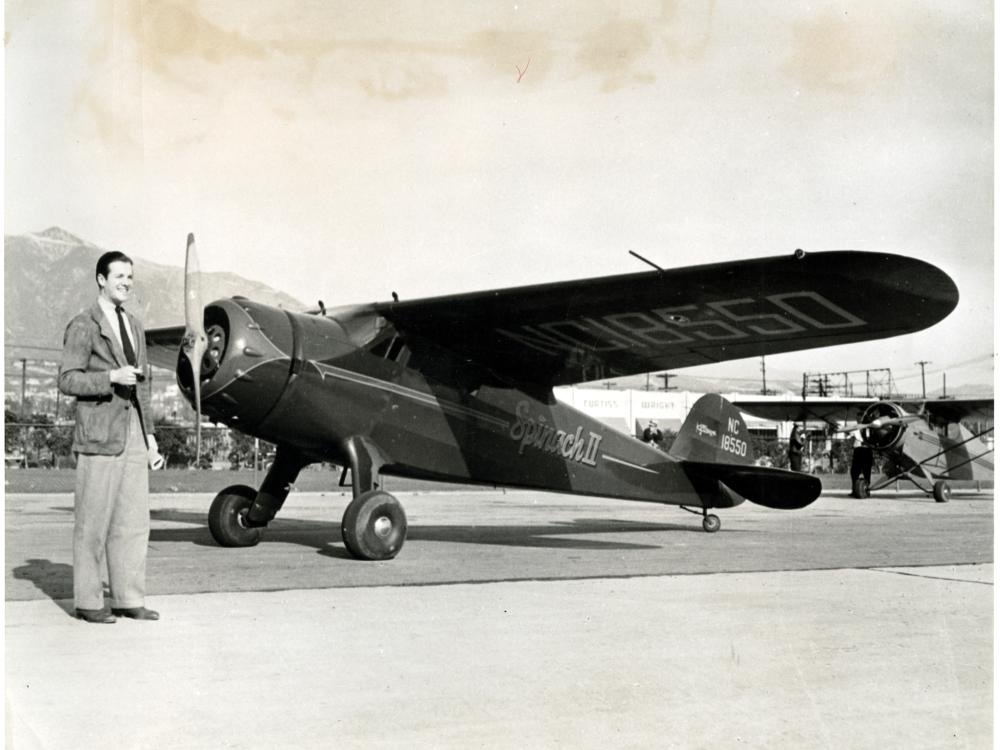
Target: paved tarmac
[(519, 619)]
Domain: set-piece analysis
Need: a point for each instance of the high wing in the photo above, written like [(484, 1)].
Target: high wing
[(803, 410), (953, 409), (578, 331), (949, 410)]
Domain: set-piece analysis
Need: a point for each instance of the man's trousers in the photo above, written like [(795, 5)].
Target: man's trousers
[(112, 524)]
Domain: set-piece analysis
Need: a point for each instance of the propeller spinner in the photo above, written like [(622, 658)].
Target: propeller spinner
[(195, 337)]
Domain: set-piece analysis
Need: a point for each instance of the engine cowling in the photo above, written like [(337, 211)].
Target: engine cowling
[(247, 363), (883, 437)]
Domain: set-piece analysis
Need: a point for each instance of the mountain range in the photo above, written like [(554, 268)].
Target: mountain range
[(49, 277)]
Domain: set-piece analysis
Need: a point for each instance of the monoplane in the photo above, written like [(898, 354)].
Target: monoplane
[(459, 388), (926, 442)]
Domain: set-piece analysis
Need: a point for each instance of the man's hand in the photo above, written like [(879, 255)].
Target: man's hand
[(156, 461), (126, 375)]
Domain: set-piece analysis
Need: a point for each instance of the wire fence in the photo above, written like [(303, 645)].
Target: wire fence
[(47, 445), (41, 444)]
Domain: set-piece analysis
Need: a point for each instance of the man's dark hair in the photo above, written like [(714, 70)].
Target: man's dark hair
[(105, 261)]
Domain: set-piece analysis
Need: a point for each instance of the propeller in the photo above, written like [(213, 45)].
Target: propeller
[(880, 423), (195, 338)]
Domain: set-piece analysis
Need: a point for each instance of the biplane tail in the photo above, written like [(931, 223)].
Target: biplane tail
[(714, 448)]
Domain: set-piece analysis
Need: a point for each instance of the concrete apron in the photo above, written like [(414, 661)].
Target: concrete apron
[(856, 658)]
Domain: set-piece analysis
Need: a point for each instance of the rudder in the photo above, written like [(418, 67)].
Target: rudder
[(714, 432)]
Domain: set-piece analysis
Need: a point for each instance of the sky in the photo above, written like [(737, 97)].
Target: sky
[(344, 150)]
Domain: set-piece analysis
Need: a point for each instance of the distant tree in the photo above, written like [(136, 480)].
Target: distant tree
[(13, 439), (241, 450), (669, 436), (172, 441), (769, 452), (58, 440)]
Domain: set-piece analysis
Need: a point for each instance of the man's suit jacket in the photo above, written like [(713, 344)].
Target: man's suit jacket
[(103, 409)]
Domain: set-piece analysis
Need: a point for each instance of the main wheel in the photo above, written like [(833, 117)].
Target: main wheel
[(860, 489), (225, 517), (374, 526), (711, 523), (942, 492)]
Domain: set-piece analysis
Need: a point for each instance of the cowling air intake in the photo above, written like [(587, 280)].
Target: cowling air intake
[(714, 447)]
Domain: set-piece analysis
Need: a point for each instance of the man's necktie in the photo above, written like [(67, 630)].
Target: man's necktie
[(126, 341)]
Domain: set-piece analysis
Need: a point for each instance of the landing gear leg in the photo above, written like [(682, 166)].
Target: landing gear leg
[(288, 462), (374, 524), (239, 513)]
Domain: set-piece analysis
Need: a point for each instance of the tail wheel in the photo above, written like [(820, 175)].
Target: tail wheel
[(711, 523), (374, 526), (942, 492), (226, 517), (860, 489)]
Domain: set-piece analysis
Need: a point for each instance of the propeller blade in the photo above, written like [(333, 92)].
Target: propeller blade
[(880, 423), (195, 337)]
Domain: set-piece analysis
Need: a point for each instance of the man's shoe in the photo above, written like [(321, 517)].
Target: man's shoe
[(136, 613), (98, 616)]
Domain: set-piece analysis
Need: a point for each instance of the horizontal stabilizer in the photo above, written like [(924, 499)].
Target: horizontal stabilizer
[(763, 485)]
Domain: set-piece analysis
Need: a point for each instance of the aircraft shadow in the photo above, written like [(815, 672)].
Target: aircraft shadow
[(320, 534)]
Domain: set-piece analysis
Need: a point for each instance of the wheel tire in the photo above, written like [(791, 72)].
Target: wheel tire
[(942, 492), (860, 489), (711, 523), (226, 514), (374, 526)]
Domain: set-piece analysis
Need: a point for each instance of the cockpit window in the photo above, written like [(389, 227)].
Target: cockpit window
[(392, 348)]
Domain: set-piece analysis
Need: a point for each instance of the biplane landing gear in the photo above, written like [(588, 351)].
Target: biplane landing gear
[(227, 517), (860, 489), (374, 526), (942, 492)]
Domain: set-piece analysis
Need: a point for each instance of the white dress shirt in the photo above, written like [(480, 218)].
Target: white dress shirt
[(109, 312)]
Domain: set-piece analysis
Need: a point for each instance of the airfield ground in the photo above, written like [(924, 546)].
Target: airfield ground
[(518, 619)]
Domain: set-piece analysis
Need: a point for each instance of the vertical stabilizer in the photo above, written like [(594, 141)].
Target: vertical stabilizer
[(714, 449), (714, 432)]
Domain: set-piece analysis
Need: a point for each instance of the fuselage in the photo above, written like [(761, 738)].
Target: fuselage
[(312, 382)]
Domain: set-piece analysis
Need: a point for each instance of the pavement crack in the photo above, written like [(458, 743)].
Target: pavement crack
[(924, 575)]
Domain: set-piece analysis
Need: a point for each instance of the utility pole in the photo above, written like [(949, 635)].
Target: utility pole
[(24, 384), (24, 414), (666, 380), (923, 382), (763, 377)]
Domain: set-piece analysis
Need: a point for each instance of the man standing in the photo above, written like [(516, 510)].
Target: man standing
[(652, 434), (795, 445), (104, 366)]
